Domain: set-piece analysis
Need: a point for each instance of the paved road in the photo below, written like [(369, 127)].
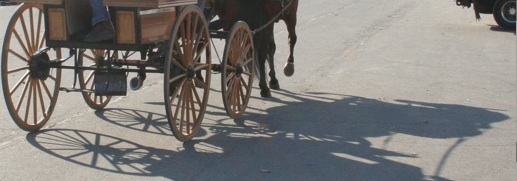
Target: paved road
[(384, 90)]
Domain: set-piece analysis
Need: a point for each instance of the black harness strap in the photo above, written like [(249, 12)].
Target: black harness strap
[(285, 5)]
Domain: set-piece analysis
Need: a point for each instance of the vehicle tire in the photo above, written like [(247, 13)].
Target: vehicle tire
[(504, 13)]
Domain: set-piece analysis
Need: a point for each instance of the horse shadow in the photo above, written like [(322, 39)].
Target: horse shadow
[(317, 135), (310, 136)]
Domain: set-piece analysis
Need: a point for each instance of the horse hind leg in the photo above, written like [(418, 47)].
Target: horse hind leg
[(264, 89), (273, 83), (291, 29)]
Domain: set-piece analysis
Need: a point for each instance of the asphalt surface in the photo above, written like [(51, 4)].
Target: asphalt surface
[(383, 90)]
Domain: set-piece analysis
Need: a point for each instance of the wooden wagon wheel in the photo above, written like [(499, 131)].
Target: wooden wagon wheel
[(237, 69), (29, 82), (187, 73), (90, 58)]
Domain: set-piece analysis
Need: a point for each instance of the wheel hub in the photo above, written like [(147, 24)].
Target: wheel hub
[(511, 11), (508, 11), (191, 72), (239, 69), (39, 65)]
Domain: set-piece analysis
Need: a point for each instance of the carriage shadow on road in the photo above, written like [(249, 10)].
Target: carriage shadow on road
[(319, 136)]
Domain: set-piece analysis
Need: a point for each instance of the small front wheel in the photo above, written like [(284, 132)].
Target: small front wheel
[(90, 59), (504, 13), (237, 70)]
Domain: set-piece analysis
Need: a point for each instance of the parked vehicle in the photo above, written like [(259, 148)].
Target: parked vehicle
[(503, 10), (6, 2)]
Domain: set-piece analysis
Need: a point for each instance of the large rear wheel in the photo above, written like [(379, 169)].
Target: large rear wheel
[(30, 83), (237, 70), (187, 73)]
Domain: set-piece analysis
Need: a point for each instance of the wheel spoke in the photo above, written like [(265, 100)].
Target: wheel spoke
[(28, 103), (231, 95), (196, 95), (242, 85), (199, 52), (195, 40), (245, 84), (42, 103), (26, 34), (230, 68), (178, 55), (229, 78), (19, 83), (183, 46), (238, 94), (22, 96), (186, 109), (245, 52), (23, 45), (47, 91), (176, 91), (19, 56), (201, 66), (201, 83), (188, 46), (35, 102), (179, 107), (192, 105), (32, 38), (230, 89), (17, 70), (88, 79), (174, 79), (39, 41), (235, 95)]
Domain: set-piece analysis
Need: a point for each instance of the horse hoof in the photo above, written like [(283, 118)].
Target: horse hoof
[(265, 93), (274, 86), (289, 69)]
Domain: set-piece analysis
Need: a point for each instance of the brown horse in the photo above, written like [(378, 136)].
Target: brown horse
[(260, 14)]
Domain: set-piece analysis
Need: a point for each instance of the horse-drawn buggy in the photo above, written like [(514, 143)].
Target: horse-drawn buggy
[(502, 10), (171, 37)]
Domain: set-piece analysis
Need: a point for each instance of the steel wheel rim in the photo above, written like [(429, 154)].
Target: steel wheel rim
[(508, 12)]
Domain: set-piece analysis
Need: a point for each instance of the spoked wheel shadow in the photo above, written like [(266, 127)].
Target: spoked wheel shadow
[(98, 151), (139, 120), (116, 155)]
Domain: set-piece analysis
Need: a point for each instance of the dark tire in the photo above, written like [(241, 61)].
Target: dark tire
[(504, 13)]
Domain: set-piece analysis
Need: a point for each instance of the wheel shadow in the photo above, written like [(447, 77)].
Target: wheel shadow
[(111, 154), (139, 120), (501, 29), (311, 136)]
